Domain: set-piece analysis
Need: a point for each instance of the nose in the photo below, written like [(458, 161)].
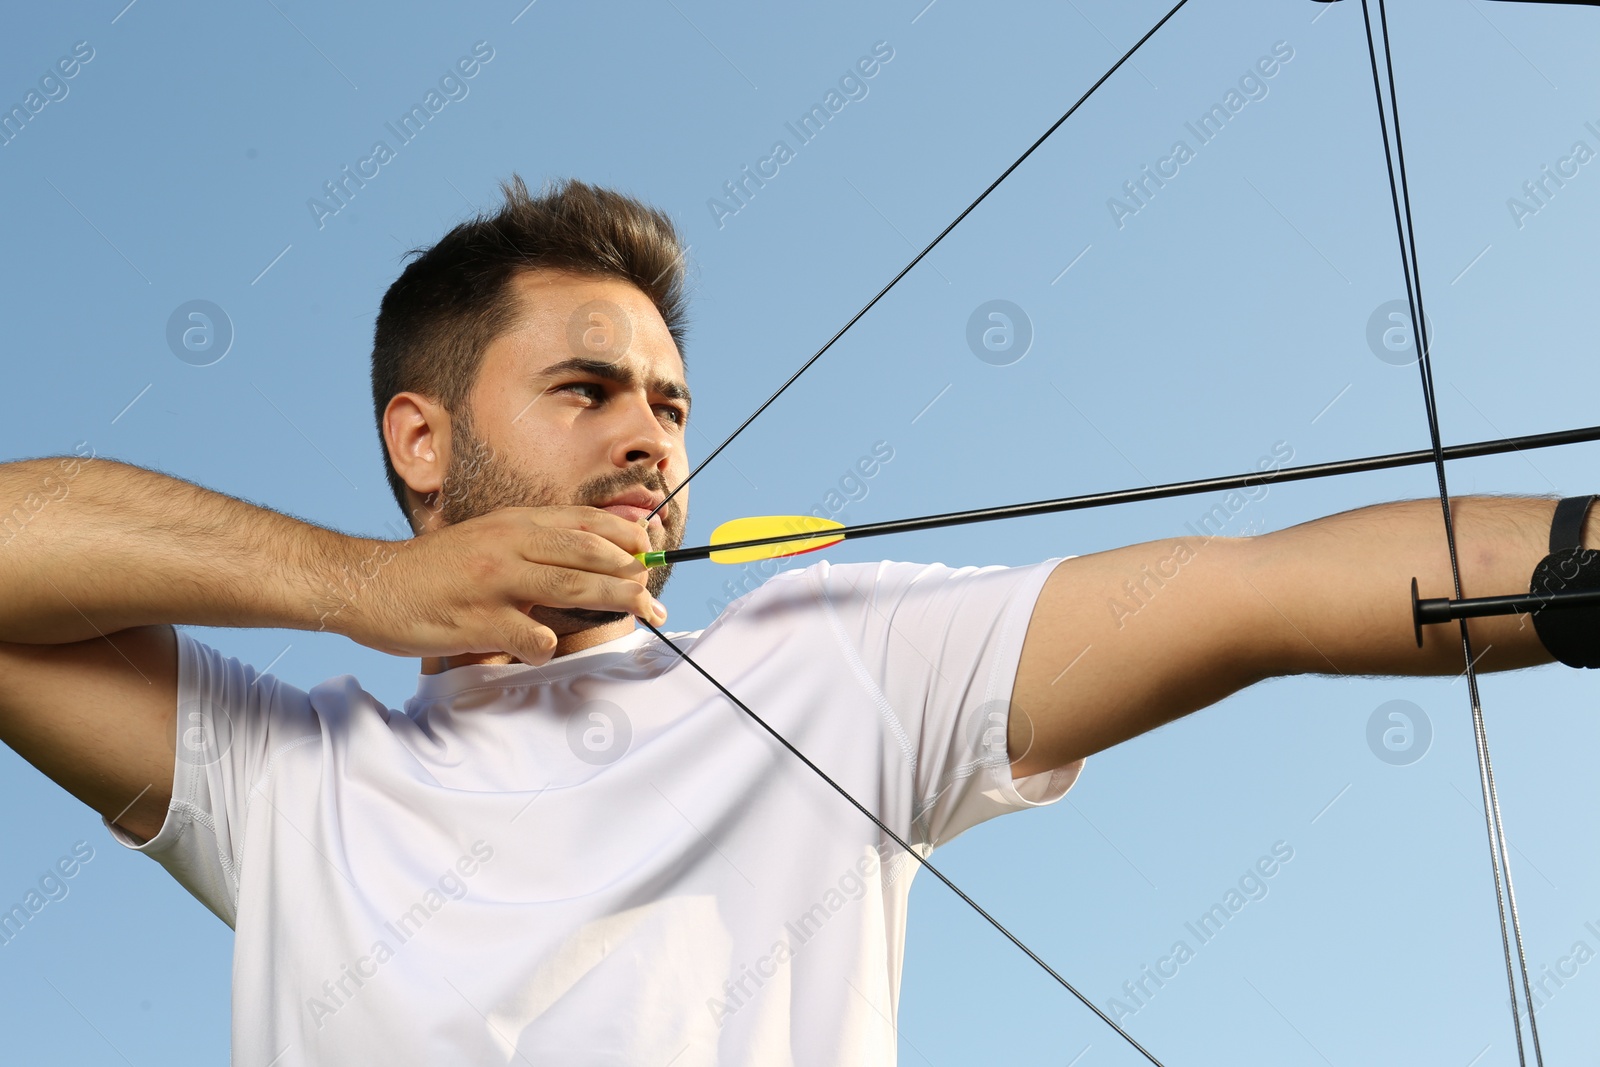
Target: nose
[(641, 438)]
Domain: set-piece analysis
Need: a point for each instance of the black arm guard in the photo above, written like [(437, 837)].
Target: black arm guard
[(1571, 635)]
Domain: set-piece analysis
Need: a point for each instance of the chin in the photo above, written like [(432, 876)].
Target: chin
[(569, 620), (656, 580)]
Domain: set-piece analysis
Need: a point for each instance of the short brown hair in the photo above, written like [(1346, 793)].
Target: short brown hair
[(448, 304)]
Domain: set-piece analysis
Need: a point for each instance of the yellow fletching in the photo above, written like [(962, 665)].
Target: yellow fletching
[(758, 527)]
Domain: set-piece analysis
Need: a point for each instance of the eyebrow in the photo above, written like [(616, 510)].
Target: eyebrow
[(598, 368)]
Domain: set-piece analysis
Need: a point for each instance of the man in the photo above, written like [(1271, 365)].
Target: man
[(569, 844)]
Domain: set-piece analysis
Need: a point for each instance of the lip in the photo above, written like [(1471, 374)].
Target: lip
[(631, 513), (634, 505)]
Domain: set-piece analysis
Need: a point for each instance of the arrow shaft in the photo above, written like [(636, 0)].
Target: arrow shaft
[(1171, 489)]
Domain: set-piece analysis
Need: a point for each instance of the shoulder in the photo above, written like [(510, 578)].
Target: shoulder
[(822, 582), (240, 702), (880, 589)]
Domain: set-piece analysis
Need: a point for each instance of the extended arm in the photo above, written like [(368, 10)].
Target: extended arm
[(1123, 641)]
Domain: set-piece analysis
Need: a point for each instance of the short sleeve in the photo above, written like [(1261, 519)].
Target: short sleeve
[(942, 645), (230, 721)]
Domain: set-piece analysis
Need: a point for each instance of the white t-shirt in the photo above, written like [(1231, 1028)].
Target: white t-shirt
[(603, 860)]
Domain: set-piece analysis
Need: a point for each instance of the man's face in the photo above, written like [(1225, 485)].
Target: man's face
[(583, 401)]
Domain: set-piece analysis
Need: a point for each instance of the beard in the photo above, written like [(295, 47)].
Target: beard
[(478, 482)]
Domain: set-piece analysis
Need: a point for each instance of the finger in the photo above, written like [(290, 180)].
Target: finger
[(624, 533), (528, 640), (513, 632), (581, 550), (564, 587)]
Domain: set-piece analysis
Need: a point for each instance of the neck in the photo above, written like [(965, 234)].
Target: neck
[(566, 644)]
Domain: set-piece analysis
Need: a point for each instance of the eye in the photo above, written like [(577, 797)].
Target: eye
[(677, 414), (592, 390)]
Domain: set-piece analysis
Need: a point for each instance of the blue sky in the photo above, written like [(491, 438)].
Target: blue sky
[(1224, 317)]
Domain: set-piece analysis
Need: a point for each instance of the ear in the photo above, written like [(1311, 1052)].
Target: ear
[(416, 431)]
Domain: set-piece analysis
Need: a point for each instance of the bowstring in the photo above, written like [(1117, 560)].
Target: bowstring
[(768, 403), (726, 441), (919, 857), (1499, 856)]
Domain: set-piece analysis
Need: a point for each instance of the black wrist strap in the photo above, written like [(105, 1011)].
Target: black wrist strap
[(1566, 530), (1571, 635)]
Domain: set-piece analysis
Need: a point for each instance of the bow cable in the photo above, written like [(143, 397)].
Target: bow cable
[(923, 860), (792, 379), (1399, 190), (1405, 231), (726, 441)]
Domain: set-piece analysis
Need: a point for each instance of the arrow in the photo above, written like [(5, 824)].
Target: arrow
[(772, 536)]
